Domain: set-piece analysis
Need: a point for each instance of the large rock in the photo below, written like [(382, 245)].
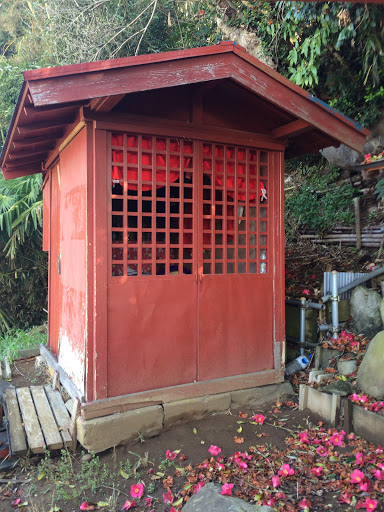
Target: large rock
[(342, 156), (370, 376), (365, 311), (209, 499), (382, 310)]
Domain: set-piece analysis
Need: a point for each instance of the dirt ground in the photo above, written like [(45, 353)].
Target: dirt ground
[(62, 482)]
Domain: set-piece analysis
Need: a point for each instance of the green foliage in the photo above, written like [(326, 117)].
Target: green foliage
[(334, 50), (316, 200), (74, 483), (16, 339), (23, 288)]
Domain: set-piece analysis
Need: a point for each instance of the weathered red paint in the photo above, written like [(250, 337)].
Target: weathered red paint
[(217, 315)]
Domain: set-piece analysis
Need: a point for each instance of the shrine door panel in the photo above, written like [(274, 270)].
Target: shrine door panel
[(152, 293), (235, 330)]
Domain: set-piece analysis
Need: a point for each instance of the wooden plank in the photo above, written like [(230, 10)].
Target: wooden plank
[(290, 129), (16, 430), (60, 413), (47, 421), (99, 408), (64, 379), (166, 127), (73, 427), (31, 423)]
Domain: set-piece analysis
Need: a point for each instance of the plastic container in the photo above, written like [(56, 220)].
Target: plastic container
[(296, 365)]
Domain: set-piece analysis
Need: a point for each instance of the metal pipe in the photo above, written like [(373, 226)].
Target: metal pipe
[(335, 305), (302, 326), (308, 304), (328, 327), (355, 283), (294, 341)]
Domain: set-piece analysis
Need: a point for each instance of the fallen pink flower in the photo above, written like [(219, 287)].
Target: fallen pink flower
[(304, 437), (305, 291), (286, 470), (129, 504), (16, 502), (336, 439), (137, 490), (345, 498), (226, 489), (167, 497), (220, 466), (379, 475), (321, 451), (360, 459), (365, 486), (170, 455), (258, 418), (357, 476), (148, 502), (368, 504), (275, 481), (243, 465), (270, 503), (317, 471), (198, 487), (214, 450), (304, 504)]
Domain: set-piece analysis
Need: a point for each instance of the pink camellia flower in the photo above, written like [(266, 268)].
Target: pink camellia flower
[(167, 497), (170, 455), (304, 504), (360, 459), (220, 466), (305, 291), (323, 452), (286, 470), (368, 504), (258, 418), (214, 450), (275, 481), (137, 490), (363, 399), (379, 475), (129, 504), (304, 437), (351, 436), (83, 506), (365, 486), (270, 503), (148, 502), (345, 498), (243, 465), (198, 487), (357, 476), (226, 489), (317, 471), (16, 502), (336, 439)]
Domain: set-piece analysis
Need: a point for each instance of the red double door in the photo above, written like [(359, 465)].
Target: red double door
[(190, 287)]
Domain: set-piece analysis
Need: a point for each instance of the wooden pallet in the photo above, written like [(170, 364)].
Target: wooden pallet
[(37, 420)]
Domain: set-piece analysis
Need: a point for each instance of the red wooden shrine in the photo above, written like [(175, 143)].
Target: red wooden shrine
[(163, 214)]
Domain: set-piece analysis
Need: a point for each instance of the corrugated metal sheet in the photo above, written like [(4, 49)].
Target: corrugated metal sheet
[(343, 278)]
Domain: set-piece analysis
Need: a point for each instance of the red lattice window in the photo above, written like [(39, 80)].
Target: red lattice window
[(235, 210), (152, 205)]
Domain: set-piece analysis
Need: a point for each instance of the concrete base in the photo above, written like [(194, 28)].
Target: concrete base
[(325, 405), (99, 434), (367, 424)]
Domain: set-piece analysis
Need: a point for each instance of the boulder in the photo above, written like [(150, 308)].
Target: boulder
[(370, 376), (365, 311), (382, 310), (210, 499), (346, 366), (342, 156), (338, 387)]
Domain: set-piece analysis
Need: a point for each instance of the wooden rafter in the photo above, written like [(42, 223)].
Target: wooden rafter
[(290, 129)]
